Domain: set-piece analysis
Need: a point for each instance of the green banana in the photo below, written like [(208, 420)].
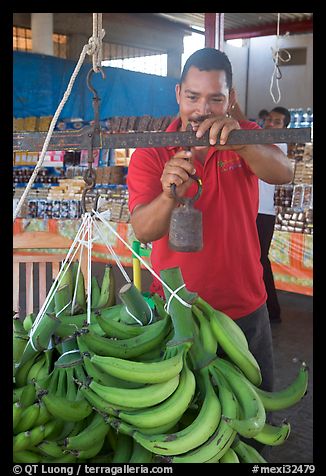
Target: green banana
[(120, 329), (287, 397), (142, 372), (217, 445), (125, 348), (28, 418), (79, 294), (95, 292), (100, 404), (104, 378), (247, 453), (26, 456), (92, 450), (206, 335), (190, 437), (44, 415), (36, 368), (227, 334), (124, 448), (169, 410), (17, 410), (18, 346), (67, 410), (140, 454), (50, 448), (28, 395), (230, 457), (22, 371), (273, 435), (253, 412), (28, 321), (65, 281), (22, 441), (96, 430), (146, 396), (107, 295)]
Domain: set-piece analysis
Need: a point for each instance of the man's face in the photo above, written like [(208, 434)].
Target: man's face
[(203, 93), (274, 120)]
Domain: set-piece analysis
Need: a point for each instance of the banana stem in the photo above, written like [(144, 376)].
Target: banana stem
[(135, 304), (181, 314)]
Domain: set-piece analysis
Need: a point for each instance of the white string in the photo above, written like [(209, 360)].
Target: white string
[(276, 56), (134, 317), (70, 352), (123, 271), (61, 310), (76, 281), (58, 279), (173, 293), (167, 305), (89, 269)]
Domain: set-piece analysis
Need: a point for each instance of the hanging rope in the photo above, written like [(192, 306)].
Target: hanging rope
[(276, 56), (94, 47)]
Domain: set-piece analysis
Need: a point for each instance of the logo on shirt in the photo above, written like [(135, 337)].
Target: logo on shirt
[(229, 164)]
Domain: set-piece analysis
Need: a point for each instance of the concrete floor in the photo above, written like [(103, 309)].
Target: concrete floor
[(293, 338)]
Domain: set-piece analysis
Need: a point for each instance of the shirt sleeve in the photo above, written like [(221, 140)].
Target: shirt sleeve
[(143, 179)]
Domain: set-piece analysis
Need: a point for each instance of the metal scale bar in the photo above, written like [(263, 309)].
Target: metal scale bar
[(80, 139)]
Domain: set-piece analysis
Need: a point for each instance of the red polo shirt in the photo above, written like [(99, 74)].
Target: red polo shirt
[(227, 272)]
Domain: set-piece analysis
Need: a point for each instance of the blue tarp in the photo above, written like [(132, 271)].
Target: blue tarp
[(40, 81)]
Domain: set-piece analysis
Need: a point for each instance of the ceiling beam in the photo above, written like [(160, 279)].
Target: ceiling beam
[(304, 26)]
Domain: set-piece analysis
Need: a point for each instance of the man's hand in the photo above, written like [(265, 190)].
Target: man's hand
[(178, 171), (217, 124)]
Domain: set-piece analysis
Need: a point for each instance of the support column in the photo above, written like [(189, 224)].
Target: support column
[(214, 30), (174, 63), (42, 31)]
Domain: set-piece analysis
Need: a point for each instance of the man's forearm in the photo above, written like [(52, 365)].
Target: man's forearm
[(152, 221), (268, 162)]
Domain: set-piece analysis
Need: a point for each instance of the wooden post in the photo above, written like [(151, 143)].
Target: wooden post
[(214, 30)]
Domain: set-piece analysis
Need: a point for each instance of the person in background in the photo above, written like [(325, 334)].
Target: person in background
[(227, 272), (278, 118), (261, 117)]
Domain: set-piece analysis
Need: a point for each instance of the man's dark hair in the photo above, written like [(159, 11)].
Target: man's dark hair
[(285, 112), (208, 59), (262, 114)]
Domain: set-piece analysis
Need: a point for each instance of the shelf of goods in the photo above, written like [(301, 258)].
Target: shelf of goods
[(291, 252)]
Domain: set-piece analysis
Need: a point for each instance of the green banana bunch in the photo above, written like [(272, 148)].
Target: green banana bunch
[(253, 414), (233, 341), (169, 411), (141, 372), (125, 348), (221, 440), (143, 397), (66, 403), (96, 430), (188, 438)]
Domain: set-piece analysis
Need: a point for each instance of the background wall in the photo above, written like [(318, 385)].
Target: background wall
[(296, 85)]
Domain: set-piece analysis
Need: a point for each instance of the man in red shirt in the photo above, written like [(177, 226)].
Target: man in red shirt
[(227, 272)]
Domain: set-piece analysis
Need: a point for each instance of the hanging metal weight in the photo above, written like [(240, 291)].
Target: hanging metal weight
[(186, 226)]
